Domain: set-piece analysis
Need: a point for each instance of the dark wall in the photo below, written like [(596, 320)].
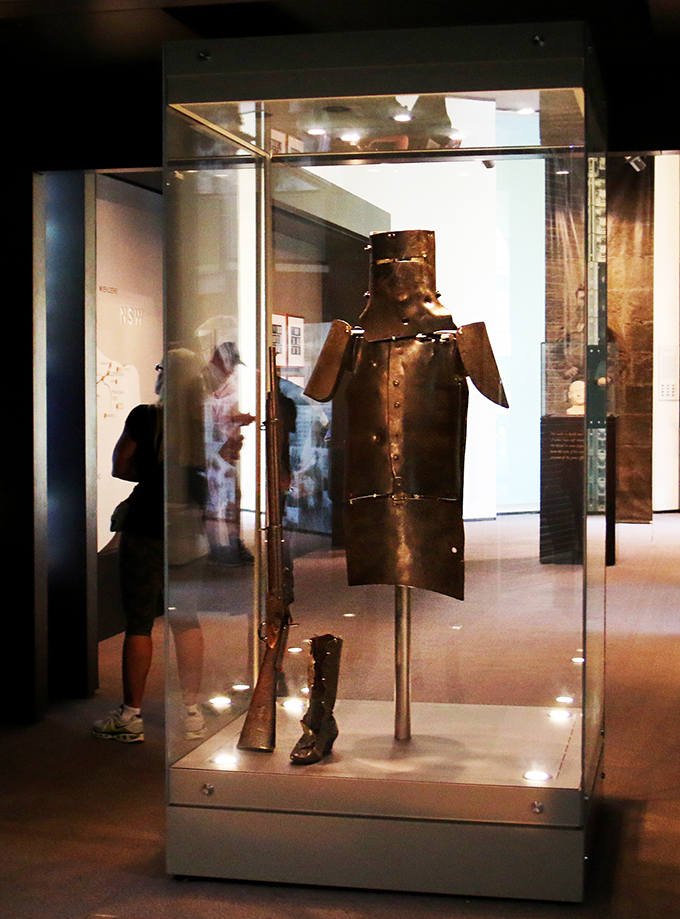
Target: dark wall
[(72, 629), (23, 676), (90, 81), (56, 116)]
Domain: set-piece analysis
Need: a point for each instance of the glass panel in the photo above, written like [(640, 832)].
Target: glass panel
[(602, 368), (496, 680), (412, 122), (212, 442), (488, 674)]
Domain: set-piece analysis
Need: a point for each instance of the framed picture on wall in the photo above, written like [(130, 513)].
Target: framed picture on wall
[(280, 339), (296, 341)]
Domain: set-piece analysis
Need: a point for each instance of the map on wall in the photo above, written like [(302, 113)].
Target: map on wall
[(117, 395), (129, 322)]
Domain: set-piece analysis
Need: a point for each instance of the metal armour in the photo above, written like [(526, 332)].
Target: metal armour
[(407, 415)]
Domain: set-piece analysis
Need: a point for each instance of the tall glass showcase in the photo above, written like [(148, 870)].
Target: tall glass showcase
[(470, 730)]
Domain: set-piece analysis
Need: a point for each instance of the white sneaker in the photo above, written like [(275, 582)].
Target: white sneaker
[(115, 727), (194, 725)]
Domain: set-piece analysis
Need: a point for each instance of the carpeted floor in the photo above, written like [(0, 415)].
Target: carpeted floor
[(82, 821)]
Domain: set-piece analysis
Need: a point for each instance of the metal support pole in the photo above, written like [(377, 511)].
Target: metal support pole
[(402, 663)]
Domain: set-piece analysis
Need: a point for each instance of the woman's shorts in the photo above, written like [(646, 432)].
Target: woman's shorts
[(140, 561)]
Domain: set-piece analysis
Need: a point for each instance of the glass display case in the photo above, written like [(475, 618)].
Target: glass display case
[(468, 729)]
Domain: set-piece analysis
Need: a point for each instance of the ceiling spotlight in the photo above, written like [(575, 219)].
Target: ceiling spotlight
[(403, 116), (316, 132), (526, 111), (351, 138), (566, 700)]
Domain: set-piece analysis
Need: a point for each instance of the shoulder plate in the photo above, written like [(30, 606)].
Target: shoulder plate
[(331, 362), (478, 359)]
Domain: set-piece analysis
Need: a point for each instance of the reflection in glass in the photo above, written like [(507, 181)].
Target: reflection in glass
[(413, 122), (211, 371)]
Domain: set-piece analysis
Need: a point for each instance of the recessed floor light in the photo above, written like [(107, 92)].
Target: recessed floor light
[(220, 702), (560, 714), (294, 705)]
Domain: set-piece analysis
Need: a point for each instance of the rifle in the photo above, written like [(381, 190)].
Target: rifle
[(259, 729)]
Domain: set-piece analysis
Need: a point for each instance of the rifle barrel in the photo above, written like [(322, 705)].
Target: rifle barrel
[(259, 729)]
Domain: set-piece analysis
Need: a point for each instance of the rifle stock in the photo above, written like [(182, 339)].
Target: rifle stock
[(259, 729)]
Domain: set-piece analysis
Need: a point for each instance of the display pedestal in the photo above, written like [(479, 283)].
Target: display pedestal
[(448, 812), (562, 470)]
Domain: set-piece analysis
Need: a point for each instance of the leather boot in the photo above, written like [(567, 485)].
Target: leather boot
[(318, 725)]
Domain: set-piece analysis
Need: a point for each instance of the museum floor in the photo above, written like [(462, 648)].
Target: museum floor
[(81, 821)]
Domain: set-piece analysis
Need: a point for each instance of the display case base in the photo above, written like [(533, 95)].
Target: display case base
[(470, 824), (429, 856)]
